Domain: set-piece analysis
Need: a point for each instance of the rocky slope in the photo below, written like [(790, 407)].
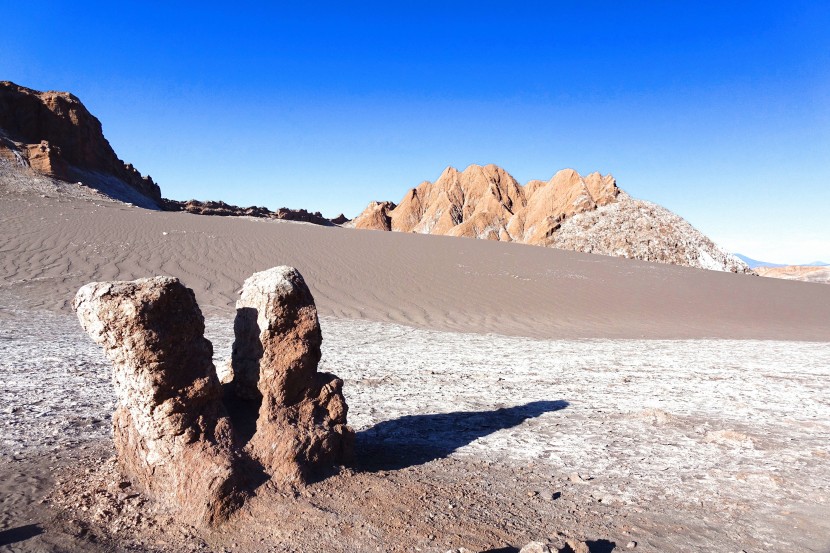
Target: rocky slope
[(52, 134), (589, 214), (51, 144)]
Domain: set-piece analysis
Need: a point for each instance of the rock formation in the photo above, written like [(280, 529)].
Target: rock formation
[(375, 217), (173, 436), (53, 134), (223, 209), (302, 416), (487, 203), (637, 229)]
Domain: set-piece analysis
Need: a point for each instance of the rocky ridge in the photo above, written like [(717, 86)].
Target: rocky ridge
[(53, 134), (223, 209), (50, 138), (569, 211)]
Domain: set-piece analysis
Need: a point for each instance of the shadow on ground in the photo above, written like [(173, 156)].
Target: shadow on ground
[(19, 534), (597, 546), (417, 439)]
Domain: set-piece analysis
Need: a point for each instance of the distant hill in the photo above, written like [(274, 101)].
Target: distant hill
[(49, 141), (754, 263), (588, 214)]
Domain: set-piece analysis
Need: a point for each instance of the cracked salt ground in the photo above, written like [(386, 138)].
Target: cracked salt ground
[(713, 436)]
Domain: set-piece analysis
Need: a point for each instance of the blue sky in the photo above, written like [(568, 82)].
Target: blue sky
[(719, 111)]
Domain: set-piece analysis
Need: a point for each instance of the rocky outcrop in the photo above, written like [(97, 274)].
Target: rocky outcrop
[(487, 203), (223, 209), (562, 545), (375, 217), (53, 134), (301, 425), (637, 229), (173, 436)]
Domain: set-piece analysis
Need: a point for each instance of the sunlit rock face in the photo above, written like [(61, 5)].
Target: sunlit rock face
[(171, 434), (569, 211)]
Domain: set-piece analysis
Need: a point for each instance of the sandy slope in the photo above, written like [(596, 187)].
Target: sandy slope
[(51, 246)]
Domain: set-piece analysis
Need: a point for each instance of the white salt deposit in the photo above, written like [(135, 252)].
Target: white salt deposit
[(736, 429)]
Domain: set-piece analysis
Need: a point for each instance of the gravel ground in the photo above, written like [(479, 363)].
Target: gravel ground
[(482, 441)]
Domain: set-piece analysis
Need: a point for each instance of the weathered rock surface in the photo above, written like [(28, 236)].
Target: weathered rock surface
[(301, 425), (53, 134), (171, 434), (536, 547), (487, 203), (375, 217), (637, 229)]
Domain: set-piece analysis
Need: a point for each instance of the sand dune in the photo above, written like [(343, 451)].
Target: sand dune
[(53, 245)]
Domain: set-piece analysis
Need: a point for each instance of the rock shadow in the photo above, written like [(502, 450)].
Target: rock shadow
[(417, 439), (246, 354), (601, 546), (19, 534)]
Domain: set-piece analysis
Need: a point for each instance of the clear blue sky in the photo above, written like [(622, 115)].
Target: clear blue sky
[(718, 110)]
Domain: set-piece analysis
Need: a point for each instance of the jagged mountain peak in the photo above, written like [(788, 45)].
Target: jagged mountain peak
[(586, 213)]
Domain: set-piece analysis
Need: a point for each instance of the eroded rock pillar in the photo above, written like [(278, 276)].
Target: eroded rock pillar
[(171, 435), (301, 425)]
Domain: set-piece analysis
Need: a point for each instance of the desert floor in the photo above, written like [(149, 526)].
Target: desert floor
[(501, 393)]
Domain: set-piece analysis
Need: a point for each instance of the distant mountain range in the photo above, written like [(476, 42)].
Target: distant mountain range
[(754, 263)]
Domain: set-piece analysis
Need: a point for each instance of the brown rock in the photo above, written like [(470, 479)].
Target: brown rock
[(222, 209), (374, 217), (536, 547), (171, 435), (301, 426), (575, 546)]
